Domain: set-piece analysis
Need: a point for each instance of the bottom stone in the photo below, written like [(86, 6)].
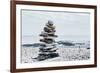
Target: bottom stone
[(46, 56)]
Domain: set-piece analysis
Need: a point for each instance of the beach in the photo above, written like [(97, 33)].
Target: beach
[(65, 54)]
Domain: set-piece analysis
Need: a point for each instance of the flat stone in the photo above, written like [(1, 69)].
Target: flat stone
[(42, 57)]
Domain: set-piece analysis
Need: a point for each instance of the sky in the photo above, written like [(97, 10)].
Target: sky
[(66, 23)]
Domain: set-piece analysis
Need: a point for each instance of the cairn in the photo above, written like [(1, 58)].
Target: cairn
[(48, 49)]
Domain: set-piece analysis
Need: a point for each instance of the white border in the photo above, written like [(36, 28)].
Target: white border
[(51, 64)]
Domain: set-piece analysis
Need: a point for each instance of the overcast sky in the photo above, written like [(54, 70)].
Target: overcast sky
[(67, 23)]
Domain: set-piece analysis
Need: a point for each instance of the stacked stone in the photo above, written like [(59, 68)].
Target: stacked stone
[(48, 49)]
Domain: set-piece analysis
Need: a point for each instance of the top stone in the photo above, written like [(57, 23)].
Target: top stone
[(49, 27), (50, 23)]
